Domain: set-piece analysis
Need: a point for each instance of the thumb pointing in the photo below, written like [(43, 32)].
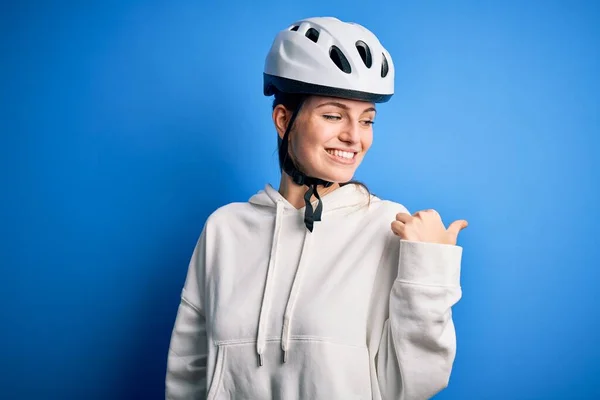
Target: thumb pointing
[(457, 226)]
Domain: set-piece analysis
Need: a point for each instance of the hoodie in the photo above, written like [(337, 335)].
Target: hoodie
[(349, 311)]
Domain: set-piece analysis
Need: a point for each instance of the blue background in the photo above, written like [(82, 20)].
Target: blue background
[(125, 124)]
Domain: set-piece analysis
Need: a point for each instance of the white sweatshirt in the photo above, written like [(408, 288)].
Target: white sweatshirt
[(349, 311)]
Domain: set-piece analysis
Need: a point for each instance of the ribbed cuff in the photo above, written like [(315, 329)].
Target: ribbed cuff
[(429, 263)]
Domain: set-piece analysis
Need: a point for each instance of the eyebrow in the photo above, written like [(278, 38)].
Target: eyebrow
[(343, 106)]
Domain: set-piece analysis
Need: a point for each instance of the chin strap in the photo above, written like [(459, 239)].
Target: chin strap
[(301, 179)]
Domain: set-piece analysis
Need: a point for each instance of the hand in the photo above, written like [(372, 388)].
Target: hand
[(427, 226)]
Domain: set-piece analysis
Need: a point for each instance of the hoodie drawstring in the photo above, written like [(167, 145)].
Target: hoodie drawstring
[(265, 307), (267, 299), (289, 309), (268, 199)]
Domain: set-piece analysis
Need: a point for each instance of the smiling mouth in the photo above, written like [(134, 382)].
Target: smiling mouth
[(344, 155)]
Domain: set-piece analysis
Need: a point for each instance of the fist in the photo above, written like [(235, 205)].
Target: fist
[(427, 226)]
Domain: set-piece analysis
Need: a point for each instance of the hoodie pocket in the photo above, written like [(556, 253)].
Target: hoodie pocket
[(314, 370), (217, 378)]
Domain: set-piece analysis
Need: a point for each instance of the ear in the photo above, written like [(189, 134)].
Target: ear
[(281, 118)]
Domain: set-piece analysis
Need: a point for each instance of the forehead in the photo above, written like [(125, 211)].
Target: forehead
[(356, 105)]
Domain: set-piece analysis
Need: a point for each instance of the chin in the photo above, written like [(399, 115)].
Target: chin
[(340, 177)]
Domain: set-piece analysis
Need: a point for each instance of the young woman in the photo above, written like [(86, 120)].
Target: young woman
[(319, 290)]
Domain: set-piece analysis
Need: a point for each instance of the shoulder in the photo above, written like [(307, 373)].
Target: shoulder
[(379, 215), (385, 209), (382, 213), (228, 213)]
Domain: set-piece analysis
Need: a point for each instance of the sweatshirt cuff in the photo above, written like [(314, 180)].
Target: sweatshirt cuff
[(429, 263)]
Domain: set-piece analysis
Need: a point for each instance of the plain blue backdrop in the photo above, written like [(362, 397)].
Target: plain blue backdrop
[(123, 125)]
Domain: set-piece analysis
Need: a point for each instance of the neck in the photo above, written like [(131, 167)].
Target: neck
[(294, 194)]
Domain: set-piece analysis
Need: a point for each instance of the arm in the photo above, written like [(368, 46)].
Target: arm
[(418, 342), (186, 365)]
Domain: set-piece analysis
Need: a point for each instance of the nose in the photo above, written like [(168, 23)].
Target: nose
[(350, 133)]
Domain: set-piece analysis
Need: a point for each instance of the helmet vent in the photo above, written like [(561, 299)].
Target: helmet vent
[(365, 53), (295, 28), (339, 59), (384, 67), (312, 34)]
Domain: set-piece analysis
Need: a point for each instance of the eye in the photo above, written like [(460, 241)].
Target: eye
[(332, 117), (368, 122)]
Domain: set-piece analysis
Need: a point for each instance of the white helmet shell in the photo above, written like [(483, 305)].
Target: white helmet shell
[(326, 56)]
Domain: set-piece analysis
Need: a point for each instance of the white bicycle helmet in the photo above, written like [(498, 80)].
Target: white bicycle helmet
[(326, 56)]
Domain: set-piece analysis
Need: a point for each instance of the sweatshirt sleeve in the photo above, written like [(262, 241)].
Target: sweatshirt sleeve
[(417, 345), (187, 356)]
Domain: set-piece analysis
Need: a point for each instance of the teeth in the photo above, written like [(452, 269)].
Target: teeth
[(343, 154)]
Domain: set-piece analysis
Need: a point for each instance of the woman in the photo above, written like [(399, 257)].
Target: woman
[(308, 292)]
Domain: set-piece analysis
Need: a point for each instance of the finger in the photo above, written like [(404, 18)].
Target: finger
[(404, 217), (398, 228), (457, 226), (428, 212)]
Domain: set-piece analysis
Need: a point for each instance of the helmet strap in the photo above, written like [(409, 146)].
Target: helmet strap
[(300, 178)]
